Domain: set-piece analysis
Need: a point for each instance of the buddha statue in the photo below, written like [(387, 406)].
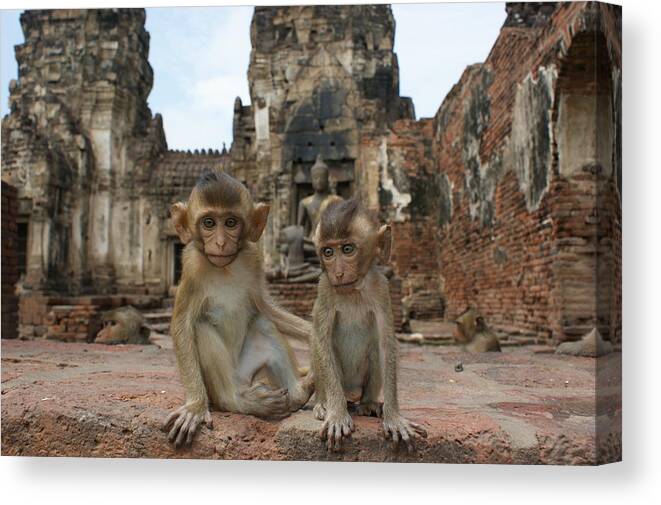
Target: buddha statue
[(309, 209)]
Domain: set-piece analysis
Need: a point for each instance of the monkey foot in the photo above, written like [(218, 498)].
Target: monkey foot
[(319, 412), (369, 409), (263, 401), (185, 421), (399, 428), (335, 428)]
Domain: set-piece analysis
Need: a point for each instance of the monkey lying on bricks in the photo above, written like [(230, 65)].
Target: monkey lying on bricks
[(124, 325), (353, 327), (473, 333), (229, 337), (592, 345)]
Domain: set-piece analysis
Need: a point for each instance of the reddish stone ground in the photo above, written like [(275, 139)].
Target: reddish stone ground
[(521, 407)]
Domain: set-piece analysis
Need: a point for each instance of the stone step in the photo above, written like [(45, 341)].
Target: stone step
[(160, 327), (158, 317)]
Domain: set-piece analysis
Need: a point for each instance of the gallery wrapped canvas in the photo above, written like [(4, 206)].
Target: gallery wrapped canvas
[(346, 280)]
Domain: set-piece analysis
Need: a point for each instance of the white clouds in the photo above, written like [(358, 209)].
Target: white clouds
[(200, 58), (435, 43), (213, 92)]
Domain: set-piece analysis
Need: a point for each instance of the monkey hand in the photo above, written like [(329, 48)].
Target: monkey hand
[(398, 428), (185, 421), (337, 425)]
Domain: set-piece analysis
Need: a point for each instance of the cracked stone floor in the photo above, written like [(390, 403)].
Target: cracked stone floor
[(524, 406)]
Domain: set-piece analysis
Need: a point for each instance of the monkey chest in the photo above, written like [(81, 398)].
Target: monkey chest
[(354, 338), (229, 313)]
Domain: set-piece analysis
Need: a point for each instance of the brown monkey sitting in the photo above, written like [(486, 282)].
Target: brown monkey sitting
[(124, 325), (353, 326), (226, 331), (473, 333)]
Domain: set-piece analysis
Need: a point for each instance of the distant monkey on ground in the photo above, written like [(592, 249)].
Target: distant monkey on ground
[(591, 345), (353, 340), (228, 335), (124, 325), (473, 334)]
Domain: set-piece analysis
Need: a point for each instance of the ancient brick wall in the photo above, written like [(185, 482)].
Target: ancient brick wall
[(9, 262), (534, 236), (410, 199), (72, 319)]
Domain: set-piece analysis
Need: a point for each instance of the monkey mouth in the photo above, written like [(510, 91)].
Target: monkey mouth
[(346, 285), (221, 260)]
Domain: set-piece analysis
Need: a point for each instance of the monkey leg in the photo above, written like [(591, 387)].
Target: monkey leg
[(369, 404), (265, 350)]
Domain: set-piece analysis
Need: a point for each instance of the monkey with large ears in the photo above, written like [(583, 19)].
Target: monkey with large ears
[(229, 337), (354, 349)]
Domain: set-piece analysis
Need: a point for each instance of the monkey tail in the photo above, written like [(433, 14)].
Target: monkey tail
[(287, 324)]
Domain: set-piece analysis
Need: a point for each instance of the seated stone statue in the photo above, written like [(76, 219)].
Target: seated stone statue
[(299, 261), (293, 266), (309, 209)]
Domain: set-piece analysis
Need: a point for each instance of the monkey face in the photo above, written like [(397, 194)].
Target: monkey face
[(221, 237), (219, 218), (108, 334), (459, 334), (343, 262)]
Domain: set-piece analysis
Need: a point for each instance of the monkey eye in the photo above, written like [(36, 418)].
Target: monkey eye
[(327, 252), (348, 248), (231, 222), (208, 222)]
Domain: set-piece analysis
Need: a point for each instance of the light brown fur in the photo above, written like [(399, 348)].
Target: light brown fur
[(473, 334), (591, 345), (229, 336), (353, 341), (124, 325)]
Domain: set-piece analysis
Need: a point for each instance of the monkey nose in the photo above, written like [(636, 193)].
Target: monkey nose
[(339, 275)]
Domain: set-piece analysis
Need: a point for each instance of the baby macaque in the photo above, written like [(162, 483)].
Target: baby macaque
[(353, 341), (124, 325), (229, 337), (473, 334)]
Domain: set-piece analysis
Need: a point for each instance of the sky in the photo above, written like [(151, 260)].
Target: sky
[(200, 58)]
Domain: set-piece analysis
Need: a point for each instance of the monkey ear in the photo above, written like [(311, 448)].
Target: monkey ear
[(384, 238), (258, 220), (179, 213)]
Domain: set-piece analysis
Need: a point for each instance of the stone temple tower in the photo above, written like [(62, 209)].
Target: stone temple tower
[(320, 77), (77, 143)]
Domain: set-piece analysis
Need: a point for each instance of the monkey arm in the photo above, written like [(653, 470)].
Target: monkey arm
[(188, 360), (388, 342), (325, 365), (286, 323), (328, 379), (395, 426)]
